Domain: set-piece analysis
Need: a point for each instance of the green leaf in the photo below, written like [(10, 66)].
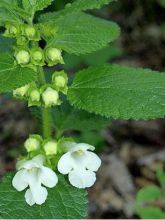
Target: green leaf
[(65, 117), (13, 76), (76, 6), (63, 202), (6, 44), (151, 212), (96, 58), (143, 205), (36, 5), (119, 92), (160, 174), (79, 33)]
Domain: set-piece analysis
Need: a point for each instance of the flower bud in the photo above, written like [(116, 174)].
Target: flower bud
[(50, 148), (37, 56), (30, 31), (60, 80), (50, 97), (21, 91), (23, 57), (11, 30), (33, 143), (35, 95), (54, 56)]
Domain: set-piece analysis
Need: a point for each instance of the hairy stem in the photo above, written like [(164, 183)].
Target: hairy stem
[(46, 112)]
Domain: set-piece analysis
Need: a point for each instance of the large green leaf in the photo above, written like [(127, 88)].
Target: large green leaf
[(119, 92), (5, 44), (63, 202), (76, 6), (79, 33), (13, 76), (36, 5)]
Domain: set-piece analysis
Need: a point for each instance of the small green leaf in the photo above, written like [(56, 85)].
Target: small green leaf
[(119, 92), (160, 175), (76, 6), (63, 202), (143, 205), (79, 33), (35, 5), (13, 76)]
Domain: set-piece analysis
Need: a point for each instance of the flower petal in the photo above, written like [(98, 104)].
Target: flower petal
[(82, 146), (19, 181), (35, 162), (39, 194), (65, 164), (92, 161), (29, 198), (48, 177), (82, 178)]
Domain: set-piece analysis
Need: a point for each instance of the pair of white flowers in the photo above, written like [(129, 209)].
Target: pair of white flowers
[(79, 163)]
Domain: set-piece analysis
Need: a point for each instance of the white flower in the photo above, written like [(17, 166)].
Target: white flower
[(80, 164), (32, 173)]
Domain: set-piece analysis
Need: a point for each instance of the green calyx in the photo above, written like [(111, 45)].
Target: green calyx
[(50, 96), (37, 56), (21, 92), (33, 143), (31, 32), (22, 57), (53, 56), (60, 81), (12, 30)]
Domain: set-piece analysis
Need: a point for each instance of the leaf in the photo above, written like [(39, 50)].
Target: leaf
[(143, 205), (96, 58), (160, 174), (5, 44), (76, 6), (79, 33), (36, 5), (63, 202), (119, 92), (151, 212), (13, 76), (65, 117)]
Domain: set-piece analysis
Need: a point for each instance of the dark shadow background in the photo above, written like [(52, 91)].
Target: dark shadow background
[(130, 150)]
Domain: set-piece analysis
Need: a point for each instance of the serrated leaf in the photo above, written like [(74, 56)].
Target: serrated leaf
[(13, 76), (79, 33), (63, 202), (36, 5), (119, 92), (76, 6)]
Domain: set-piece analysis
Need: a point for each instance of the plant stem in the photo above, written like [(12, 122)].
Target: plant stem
[(46, 112)]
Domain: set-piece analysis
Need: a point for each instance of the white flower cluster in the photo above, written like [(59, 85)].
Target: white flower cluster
[(79, 162)]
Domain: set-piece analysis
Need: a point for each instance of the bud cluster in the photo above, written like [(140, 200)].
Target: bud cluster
[(47, 95), (35, 144)]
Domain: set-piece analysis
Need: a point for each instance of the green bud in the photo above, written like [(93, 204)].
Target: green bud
[(54, 56), (32, 144), (50, 97), (20, 92), (50, 148), (23, 57), (37, 56), (30, 31), (60, 80), (35, 95), (11, 30)]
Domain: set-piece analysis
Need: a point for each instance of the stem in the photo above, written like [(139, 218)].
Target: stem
[(46, 112)]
